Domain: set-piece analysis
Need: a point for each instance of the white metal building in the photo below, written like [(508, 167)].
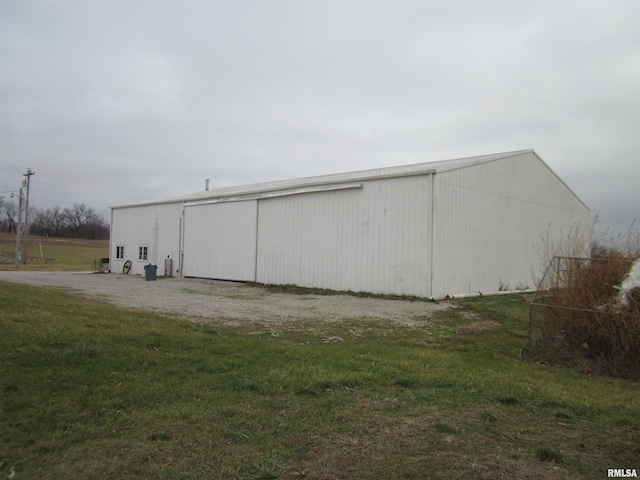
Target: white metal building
[(431, 229)]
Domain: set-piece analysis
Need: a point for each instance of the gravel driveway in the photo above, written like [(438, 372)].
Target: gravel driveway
[(230, 303)]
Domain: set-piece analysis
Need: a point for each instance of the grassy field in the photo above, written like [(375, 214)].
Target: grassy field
[(95, 392), (53, 253)]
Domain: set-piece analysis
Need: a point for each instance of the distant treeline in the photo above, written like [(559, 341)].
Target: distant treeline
[(78, 221)]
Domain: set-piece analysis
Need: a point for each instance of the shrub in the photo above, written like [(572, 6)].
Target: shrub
[(578, 314)]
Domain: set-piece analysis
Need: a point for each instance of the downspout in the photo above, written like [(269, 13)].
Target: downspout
[(431, 246), (111, 256), (180, 244), (156, 241), (255, 266)]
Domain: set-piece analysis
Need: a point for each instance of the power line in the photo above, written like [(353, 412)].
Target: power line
[(50, 176)]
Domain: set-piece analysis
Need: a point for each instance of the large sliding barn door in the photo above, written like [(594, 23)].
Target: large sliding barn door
[(220, 240)]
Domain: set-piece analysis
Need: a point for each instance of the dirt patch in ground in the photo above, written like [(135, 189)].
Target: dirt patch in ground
[(426, 441)]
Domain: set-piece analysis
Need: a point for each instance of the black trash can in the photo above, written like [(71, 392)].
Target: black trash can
[(150, 272)]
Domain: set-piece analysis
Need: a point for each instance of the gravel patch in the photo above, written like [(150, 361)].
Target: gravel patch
[(230, 303)]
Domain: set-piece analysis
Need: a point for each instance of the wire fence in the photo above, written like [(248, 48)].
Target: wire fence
[(576, 312)]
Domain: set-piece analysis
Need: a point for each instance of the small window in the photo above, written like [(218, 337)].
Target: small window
[(120, 252), (143, 252)]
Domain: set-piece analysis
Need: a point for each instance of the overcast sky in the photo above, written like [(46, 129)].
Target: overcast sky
[(113, 102)]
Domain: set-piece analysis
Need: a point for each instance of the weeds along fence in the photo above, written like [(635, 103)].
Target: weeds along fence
[(577, 315)]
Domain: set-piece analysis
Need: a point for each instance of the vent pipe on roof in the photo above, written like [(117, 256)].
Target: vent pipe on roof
[(206, 185)]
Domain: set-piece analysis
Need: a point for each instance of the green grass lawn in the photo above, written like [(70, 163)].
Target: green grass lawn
[(96, 392)]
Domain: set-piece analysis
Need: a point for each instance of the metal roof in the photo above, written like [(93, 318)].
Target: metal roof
[(334, 179)]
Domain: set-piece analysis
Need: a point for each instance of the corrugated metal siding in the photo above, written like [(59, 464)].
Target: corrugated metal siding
[(157, 227), (374, 239), (489, 218), (220, 241)]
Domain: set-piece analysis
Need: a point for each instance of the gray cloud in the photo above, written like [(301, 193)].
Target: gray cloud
[(114, 102)]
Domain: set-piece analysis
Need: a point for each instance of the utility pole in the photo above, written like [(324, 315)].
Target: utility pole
[(18, 227), (26, 215)]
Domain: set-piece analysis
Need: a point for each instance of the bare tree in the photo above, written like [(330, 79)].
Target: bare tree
[(56, 220), (49, 222), (85, 222), (79, 221), (10, 211)]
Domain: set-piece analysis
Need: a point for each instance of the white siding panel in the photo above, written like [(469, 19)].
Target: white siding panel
[(220, 241), (489, 219), (154, 226), (374, 239)]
